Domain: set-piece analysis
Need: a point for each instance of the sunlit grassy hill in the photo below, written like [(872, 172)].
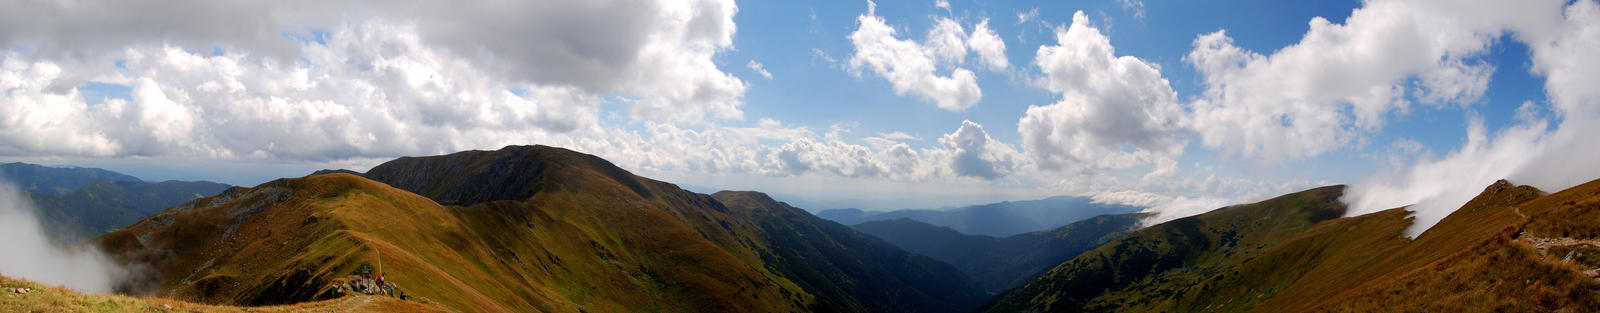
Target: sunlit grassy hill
[(1144, 269), (1486, 256), (531, 229)]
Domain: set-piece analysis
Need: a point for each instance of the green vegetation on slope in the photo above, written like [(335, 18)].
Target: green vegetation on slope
[(1141, 271)]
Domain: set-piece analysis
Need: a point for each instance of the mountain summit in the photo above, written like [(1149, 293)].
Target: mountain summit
[(526, 228)]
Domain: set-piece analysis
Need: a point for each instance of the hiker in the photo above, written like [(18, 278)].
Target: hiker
[(380, 283)]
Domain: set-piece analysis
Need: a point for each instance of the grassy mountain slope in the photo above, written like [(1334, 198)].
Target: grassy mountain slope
[(1138, 272), (642, 218), (1506, 250), (543, 230), (286, 241), (43, 298), (849, 271), (1000, 264), (1502, 251)]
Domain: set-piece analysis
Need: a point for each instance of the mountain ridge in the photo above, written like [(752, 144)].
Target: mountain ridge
[(1483, 256), (553, 231)]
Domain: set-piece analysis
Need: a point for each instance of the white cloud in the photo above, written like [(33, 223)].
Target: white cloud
[(974, 154), (1024, 17), (1435, 188), (1526, 153), (758, 68), (353, 97), (914, 68), (898, 136), (1339, 82), (659, 52), (1134, 7), (988, 45), (1114, 112)]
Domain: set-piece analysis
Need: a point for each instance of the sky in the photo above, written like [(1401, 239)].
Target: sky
[(1180, 106)]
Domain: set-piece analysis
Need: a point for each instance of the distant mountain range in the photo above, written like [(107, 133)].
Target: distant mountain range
[(76, 203), (56, 180), (524, 229), (1001, 219), (1000, 264)]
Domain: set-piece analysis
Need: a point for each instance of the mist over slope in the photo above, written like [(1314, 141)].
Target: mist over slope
[(30, 253)]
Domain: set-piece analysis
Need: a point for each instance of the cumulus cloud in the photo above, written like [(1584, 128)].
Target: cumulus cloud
[(989, 47), (913, 67), (371, 89), (659, 52), (1529, 152), (1114, 112), (973, 153), (30, 254), (1339, 82)]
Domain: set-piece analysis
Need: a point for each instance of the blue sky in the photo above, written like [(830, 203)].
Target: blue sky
[(1181, 106)]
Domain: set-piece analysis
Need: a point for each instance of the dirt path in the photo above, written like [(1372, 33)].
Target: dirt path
[(1546, 243), (351, 304)]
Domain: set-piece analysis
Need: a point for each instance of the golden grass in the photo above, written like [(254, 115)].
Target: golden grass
[(1471, 261), (57, 299), (568, 249)]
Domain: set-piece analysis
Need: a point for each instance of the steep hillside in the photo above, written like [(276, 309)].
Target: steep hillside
[(1140, 271), (574, 184), (1000, 264), (542, 230), (40, 298), (55, 180), (1511, 249), (287, 240), (1000, 219), (103, 205), (849, 271)]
